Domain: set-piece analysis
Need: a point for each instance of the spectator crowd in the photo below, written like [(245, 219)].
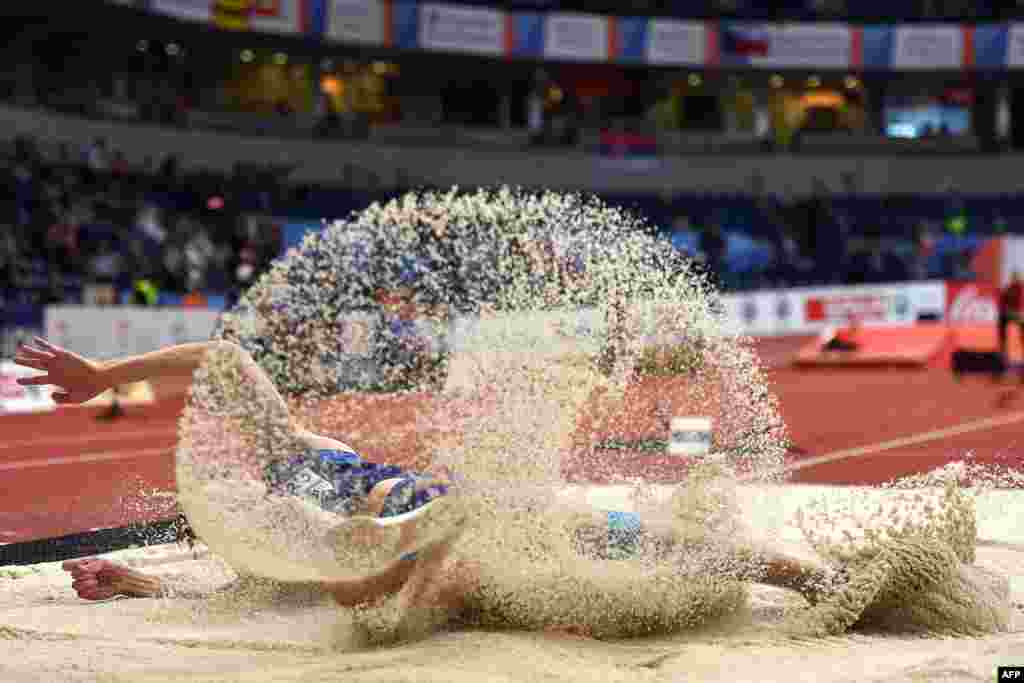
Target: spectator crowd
[(83, 225)]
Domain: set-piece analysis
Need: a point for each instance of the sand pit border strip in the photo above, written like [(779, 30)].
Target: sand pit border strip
[(83, 544)]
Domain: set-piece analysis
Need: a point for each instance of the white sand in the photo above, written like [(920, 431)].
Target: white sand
[(48, 634)]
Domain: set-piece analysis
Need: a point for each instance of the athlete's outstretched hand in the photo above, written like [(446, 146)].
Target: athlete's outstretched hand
[(79, 379)]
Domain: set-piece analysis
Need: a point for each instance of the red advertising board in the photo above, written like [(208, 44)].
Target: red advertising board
[(971, 303), (841, 308)]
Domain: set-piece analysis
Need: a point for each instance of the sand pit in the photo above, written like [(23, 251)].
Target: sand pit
[(47, 633)]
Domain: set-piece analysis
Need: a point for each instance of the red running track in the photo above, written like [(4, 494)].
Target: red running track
[(67, 472)]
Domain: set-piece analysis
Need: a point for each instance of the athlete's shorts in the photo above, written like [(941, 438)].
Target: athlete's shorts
[(340, 481), (404, 496)]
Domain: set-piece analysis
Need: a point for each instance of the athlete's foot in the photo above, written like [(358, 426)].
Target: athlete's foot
[(96, 579)]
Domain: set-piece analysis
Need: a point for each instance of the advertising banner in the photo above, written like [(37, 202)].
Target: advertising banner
[(1013, 52), (276, 16), (676, 42), (577, 37), (15, 398), (811, 310), (359, 22), (929, 47), (113, 331), (821, 45), (527, 35), (994, 49), (266, 16), (972, 303), (879, 305), (457, 28), (188, 10)]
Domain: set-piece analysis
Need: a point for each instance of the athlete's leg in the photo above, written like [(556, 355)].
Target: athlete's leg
[(618, 535), (99, 579), (425, 563)]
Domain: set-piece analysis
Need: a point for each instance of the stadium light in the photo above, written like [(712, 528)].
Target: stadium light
[(247, 56), (173, 49), (694, 80), (142, 45)]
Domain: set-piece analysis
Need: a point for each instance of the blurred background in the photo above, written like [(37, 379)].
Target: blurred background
[(848, 173), (163, 151)]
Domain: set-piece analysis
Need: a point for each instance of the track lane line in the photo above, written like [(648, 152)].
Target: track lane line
[(102, 456), (902, 442), (88, 438)]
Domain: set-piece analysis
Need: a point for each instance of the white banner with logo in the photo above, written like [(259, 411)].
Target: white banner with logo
[(1015, 45), (676, 42), (931, 47), (189, 10), (457, 28), (582, 37), (818, 45), (276, 16), (972, 303), (114, 331), (814, 309), (15, 398), (355, 21), (267, 16)]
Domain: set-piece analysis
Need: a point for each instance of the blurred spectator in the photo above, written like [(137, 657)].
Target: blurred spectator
[(194, 299), (119, 165), (148, 224), (62, 238), (199, 254), (683, 237), (876, 265), (105, 266), (8, 259), (535, 115), (961, 266), (1011, 308), (169, 169), (1000, 226), (97, 156), (713, 245), (24, 190), (788, 267), (918, 267), (825, 237)]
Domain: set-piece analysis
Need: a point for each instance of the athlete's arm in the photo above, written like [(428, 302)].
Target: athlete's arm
[(81, 379)]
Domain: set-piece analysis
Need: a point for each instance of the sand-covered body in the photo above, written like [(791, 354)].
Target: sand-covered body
[(258, 633)]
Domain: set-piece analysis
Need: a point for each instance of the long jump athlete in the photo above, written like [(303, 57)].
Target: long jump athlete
[(345, 483)]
